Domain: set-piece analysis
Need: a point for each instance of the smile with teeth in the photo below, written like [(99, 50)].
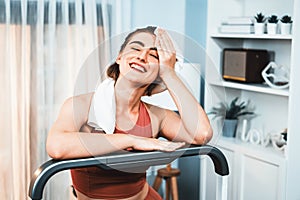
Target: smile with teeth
[(138, 67)]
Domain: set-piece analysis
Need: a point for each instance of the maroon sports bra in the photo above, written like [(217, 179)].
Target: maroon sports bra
[(96, 182)]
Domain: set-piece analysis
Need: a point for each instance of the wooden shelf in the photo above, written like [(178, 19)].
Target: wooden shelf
[(252, 36), (253, 87)]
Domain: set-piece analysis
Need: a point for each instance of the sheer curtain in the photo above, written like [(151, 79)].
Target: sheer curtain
[(43, 45)]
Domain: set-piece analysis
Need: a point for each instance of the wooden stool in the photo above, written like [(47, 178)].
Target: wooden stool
[(169, 175)]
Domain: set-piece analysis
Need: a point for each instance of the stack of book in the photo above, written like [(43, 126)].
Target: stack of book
[(238, 25)]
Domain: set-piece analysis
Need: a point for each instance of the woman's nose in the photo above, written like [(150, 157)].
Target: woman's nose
[(143, 55)]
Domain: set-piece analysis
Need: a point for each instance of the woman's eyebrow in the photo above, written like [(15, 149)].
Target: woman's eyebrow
[(137, 42), (142, 44), (153, 48)]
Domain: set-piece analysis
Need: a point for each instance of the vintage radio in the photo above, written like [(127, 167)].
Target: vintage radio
[(244, 65)]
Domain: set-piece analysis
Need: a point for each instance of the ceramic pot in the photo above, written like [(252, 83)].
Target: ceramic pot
[(285, 28), (272, 28), (259, 28), (229, 127)]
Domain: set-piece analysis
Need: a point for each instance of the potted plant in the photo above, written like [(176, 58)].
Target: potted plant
[(286, 24), (259, 25), (272, 24), (230, 113)]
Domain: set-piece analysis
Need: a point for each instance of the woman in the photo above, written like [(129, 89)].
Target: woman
[(146, 57)]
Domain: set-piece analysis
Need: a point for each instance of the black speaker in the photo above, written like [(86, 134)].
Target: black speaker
[(244, 65)]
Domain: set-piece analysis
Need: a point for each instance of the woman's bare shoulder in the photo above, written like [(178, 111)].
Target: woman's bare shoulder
[(151, 106), (159, 112), (77, 106), (83, 98), (156, 110)]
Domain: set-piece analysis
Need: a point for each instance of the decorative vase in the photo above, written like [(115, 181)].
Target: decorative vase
[(229, 127), (285, 28), (259, 28), (272, 28)]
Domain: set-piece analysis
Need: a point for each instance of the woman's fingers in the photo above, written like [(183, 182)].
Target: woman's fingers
[(166, 42), (166, 51), (152, 144), (168, 146), (171, 146)]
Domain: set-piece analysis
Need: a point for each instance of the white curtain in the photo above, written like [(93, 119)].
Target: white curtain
[(43, 45)]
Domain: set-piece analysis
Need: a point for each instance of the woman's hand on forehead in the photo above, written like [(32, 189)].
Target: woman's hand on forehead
[(166, 51)]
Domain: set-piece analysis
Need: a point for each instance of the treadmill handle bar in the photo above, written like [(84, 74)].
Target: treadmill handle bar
[(51, 167)]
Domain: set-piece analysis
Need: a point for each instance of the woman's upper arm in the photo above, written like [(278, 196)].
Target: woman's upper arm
[(69, 121), (65, 121), (72, 115), (173, 129)]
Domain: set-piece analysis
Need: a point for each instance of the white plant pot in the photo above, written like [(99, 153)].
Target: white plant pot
[(285, 28), (272, 28), (259, 28)]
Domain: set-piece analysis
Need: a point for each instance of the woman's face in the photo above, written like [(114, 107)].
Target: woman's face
[(139, 61)]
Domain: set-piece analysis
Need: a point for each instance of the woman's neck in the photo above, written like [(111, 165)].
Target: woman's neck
[(128, 96)]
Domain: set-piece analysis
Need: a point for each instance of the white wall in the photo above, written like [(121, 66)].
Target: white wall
[(293, 163), (168, 14)]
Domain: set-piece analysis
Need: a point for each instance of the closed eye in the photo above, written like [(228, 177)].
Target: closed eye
[(135, 49), (155, 56), (153, 53)]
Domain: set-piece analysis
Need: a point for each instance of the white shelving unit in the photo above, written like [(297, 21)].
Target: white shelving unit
[(253, 87), (252, 36), (257, 172)]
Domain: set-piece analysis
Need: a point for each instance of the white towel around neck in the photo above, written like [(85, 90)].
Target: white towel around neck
[(102, 114)]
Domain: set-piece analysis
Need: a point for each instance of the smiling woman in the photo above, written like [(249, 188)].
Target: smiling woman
[(145, 62), (138, 61), (145, 53)]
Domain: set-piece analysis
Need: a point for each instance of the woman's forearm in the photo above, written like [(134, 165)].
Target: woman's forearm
[(193, 117), (78, 144)]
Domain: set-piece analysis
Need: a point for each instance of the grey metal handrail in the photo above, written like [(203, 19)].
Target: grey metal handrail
[(121, 160)]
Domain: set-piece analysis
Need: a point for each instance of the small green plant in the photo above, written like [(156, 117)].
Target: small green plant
[(273, 19), (286, 19), (260, 18), (232, 110)]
